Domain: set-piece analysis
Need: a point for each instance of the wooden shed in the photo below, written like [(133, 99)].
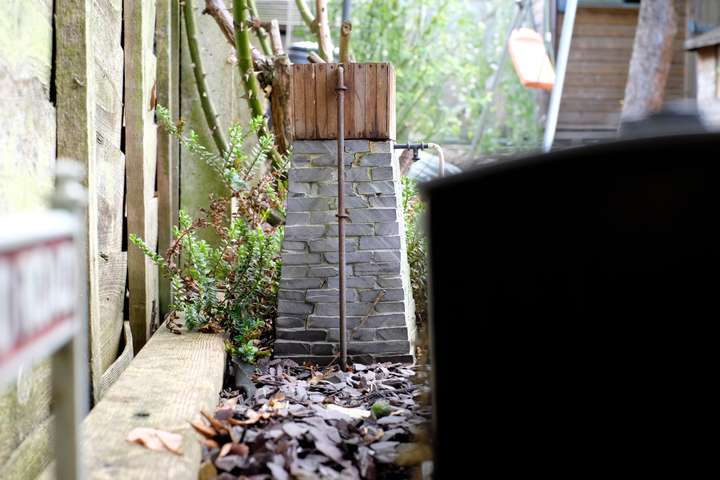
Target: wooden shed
[(598, 67), (707, 48)]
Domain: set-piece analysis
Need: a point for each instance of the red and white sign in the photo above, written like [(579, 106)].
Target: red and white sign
[(38, 287)]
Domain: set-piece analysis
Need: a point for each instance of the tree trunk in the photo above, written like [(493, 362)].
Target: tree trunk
[(651, 58), (324, 41), (280, 104)]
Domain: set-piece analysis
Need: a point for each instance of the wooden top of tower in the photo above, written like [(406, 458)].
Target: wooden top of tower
[(369, 101)]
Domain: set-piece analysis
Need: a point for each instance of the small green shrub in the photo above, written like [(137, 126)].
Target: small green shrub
[(232, 285), (413, 209)]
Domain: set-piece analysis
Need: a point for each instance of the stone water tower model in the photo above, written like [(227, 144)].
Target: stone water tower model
[(380, 312)]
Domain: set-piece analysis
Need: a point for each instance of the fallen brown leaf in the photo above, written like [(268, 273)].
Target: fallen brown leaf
[(225, 449), (216, 424), (158, 440), (202, 429)]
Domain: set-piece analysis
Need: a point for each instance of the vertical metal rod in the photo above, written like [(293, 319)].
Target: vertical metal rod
[(562, 60), (70, 388), (341, 216)]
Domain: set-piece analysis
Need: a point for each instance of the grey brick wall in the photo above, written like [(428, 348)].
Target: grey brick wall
[(307, 324)]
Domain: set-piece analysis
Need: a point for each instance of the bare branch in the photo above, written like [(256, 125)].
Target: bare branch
[(323, 33), (259, 30), (275, 38), (280, 103), (205, 100), (217, 10), (345, 32), (315, 58), (306, 15), (241, 17)]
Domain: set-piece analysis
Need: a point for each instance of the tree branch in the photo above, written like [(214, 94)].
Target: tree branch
[(315, 58), (280, 103), (275, 38), (323, 33), (217, 10), (307, 16), (259, 30), (345, 32), (241, 17), (206, 102)]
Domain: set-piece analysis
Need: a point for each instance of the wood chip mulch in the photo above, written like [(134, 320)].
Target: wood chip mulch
[(308, 423)]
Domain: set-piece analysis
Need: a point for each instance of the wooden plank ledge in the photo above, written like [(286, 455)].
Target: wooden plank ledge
[(166, 386)]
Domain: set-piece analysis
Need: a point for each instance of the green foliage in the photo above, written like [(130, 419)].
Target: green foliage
[(232, 285), (239, 163), (417, 250), (445, 53)]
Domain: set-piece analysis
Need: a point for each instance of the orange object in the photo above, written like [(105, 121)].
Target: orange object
[(530, 59)]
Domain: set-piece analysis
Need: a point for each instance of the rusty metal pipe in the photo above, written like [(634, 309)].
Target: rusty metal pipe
[(341, 215)]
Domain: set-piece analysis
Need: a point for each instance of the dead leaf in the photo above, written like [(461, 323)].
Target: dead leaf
[(351, 412), (330, 450), (223, 414), (216, 424), (225, 449), (390, 420), (203, 429), (210, 443), (293, 429), (158, 440), (306, 424), (278, 471), (240, 449)]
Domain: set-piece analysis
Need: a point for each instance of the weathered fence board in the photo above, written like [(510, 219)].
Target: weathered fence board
[(168, 75), (27, 149), (90, 80), (111, 276), (110, 179), (140, 155), (31, 456), (25, 424), (76, 139), (120, 364), (369, 102)]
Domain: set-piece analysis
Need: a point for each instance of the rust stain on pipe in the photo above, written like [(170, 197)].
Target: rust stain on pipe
[(341, 216)]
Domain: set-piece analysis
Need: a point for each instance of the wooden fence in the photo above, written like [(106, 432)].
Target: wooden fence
[(113, 62)]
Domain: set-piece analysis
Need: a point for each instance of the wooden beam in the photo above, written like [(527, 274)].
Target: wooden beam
[(168, 95), (146, 396), (113, 372), (140, 156), (75, 109), (108, 65)]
